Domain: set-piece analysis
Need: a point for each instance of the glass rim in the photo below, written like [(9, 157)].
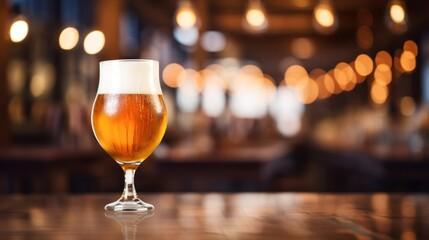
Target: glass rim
[(130, 60)]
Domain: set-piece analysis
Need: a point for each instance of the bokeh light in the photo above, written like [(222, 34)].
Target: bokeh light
[(191, 77), (18, 31), (251, 92), (16, 71), (186, 36), (69, 37), (289, 127), (329, 83), (213, 96), (302, 48), (397, 13), (188, 94), (255, 16), (170, 74), (94, 42), (407, 106), (363, 65), (42, 79), (252, 70), (408, 61), (213, 41), (269, 86), (317, 72), (411, 46), (185, 15), (307, 90), (383, 57), (324, 15), (345, 76), (325, 87), (287, 111), (383, 75), (379, 93), (331, 76), (295, 74)]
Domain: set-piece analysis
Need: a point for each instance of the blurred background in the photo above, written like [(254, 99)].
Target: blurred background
[(262, 95)]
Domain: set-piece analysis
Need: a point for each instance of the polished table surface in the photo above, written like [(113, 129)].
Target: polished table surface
[(219, 216)]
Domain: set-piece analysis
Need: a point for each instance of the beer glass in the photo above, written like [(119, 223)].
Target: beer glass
[(129, 119)]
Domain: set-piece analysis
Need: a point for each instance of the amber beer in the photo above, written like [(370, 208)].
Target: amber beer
[(129, 126)]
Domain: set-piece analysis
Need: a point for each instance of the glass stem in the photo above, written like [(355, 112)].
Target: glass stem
[(129, 193)]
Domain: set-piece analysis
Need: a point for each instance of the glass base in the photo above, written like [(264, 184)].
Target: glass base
[(135, 205)]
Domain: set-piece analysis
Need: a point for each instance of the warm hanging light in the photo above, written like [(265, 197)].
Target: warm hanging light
[(18, 30), (187, 23), (324, 17), (255, 18), (396, 16), (186, 16), (397, 13), (94, 42), (69, 38)]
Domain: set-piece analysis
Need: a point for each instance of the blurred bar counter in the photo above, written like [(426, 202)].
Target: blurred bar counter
[(273, 166), (219, 216), (53, 169)]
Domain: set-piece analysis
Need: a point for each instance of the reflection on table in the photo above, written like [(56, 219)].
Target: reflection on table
[(219, 216)]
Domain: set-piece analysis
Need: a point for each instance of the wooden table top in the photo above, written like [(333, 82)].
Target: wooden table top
[(219, 216)]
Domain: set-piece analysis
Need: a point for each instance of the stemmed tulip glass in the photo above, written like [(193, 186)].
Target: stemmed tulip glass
[(129, 119)]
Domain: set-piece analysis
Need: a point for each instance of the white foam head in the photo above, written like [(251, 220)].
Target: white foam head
[(129, 76)]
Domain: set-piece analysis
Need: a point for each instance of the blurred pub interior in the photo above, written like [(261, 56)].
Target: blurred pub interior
[(262, 95)]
